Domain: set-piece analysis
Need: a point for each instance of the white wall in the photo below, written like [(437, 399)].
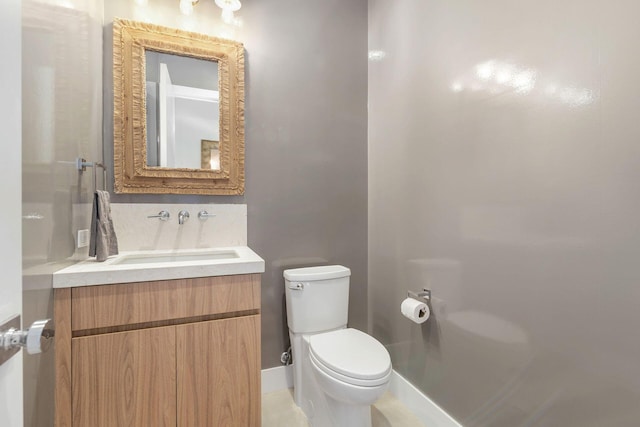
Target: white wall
[(10, 246)]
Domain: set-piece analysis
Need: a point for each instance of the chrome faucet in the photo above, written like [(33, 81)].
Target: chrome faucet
[(182, 217)]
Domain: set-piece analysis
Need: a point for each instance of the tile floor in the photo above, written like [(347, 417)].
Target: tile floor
[(279, 409)]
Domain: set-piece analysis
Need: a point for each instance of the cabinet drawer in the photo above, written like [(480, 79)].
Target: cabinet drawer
[(137, 303)]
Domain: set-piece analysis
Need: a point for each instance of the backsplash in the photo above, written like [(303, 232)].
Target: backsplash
[(137, 232)]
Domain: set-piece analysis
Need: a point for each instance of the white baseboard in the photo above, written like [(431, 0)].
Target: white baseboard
[(417, 402), (278, 378), (281, 377)]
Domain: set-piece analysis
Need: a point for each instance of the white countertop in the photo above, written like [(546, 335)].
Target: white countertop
[(90, 272)]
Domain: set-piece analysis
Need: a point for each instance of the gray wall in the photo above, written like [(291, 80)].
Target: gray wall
[(61, 120), (307, 147), (306, 139), (504, 176)]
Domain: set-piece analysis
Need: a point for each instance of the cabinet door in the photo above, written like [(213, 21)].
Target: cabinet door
[(218, 373), (125, 379)]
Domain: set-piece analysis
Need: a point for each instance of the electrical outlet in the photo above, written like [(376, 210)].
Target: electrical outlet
[(83, 238)]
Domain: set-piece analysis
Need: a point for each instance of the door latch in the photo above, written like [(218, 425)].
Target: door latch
[(35, 340)]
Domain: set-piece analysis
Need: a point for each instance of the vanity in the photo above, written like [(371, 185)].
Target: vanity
[(159, 338)]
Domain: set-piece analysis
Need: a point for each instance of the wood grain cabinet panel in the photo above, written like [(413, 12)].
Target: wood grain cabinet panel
[(149, 354), (218, 373), (134, 303), (125, 379), (62, 356)]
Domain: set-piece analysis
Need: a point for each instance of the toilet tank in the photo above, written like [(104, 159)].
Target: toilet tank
[(317, 298)]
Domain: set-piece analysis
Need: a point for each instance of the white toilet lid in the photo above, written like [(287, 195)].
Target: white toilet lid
[(351, 353)]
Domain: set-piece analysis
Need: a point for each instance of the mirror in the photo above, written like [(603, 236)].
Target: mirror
[(183, 111), (178, 111)]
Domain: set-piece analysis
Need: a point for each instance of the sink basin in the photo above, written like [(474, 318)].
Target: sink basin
[(176, 257)]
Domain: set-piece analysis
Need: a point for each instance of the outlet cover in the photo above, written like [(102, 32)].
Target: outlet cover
[(83, 238)]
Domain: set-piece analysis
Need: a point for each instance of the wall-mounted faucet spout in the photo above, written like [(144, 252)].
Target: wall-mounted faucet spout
[(182, 217)]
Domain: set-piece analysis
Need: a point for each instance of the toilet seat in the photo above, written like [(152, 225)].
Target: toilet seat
[(351, 356)]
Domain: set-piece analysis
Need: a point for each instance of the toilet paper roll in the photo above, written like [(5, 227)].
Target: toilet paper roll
[(415, 310)]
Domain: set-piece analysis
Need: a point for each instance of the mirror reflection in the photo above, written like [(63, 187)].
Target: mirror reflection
[(183, 110)]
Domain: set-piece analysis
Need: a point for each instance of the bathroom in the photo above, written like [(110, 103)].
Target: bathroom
[(482, 150)]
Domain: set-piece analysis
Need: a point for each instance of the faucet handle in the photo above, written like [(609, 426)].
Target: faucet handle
[(203, 215), (162, 215)]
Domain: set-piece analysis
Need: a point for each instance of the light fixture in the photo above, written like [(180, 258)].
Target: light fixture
[(186, 6), (228, 7)]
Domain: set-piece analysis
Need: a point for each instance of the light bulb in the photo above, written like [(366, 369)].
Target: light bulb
[(142, 2), (227, 16), (186, 7), (234, 5), (228, 7)]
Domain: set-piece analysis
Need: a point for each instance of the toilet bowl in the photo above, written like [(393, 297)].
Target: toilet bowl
[(339, 372), (350, 366)]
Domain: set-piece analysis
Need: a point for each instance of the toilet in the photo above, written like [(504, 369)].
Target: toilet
[(338, 372)]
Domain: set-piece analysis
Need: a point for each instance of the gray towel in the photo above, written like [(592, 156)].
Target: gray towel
[(103, 241)]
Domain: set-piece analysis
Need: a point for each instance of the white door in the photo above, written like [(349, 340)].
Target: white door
[(10, 206)]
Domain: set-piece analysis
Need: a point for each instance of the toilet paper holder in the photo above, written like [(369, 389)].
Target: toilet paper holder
[(424, 295)]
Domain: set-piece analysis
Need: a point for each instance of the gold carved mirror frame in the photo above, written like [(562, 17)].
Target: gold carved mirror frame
[(131, 172)]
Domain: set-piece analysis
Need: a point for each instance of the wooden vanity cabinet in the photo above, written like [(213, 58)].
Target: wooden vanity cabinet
[(167, 353)]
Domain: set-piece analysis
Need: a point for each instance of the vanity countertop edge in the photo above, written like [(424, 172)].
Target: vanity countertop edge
[(90, 272)]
